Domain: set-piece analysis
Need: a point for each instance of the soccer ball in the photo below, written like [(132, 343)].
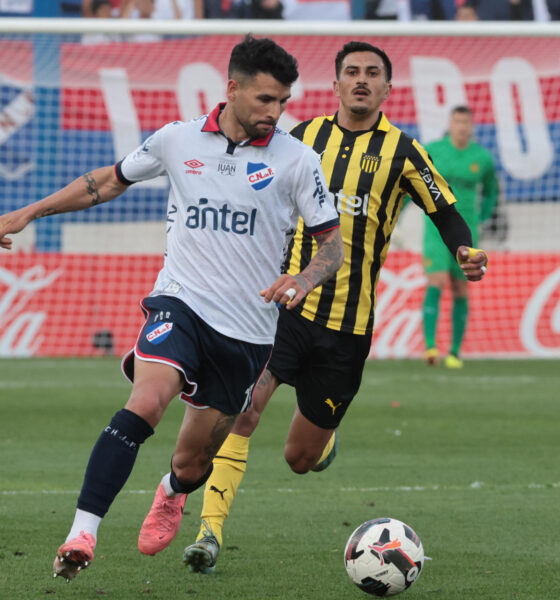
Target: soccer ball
[(384, 557)]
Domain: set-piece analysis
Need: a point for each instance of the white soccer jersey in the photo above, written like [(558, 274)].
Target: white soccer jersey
[(231, 212)]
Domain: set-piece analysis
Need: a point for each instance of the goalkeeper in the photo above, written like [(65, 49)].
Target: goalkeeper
[(469, 169)]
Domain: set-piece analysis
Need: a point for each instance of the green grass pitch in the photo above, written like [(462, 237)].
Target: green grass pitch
[(469, 459)]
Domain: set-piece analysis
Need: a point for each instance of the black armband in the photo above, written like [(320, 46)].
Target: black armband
[(452, 228)]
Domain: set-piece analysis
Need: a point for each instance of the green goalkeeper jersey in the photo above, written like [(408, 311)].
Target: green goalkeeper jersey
[(472, 176)]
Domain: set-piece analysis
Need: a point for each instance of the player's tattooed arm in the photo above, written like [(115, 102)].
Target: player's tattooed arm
[(91, 188), (101, 185), (45, 213), (325, 263)]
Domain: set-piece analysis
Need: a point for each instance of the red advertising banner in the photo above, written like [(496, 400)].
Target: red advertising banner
[(102, 100), (82, 305)]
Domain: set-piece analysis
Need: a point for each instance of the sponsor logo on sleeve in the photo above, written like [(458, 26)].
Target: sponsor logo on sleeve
[(319, 193), (426, 175)]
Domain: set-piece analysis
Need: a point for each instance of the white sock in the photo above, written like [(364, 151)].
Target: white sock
[(86, 522), (166, 482)]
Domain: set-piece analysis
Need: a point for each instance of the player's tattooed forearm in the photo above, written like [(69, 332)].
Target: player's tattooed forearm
[(45, 213), (219, 433), (325, 263), (92, 189)]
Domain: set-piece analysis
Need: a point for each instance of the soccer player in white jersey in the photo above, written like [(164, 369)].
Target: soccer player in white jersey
[(238, 187)]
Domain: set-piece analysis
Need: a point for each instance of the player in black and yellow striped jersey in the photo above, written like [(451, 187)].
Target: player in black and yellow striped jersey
[(368, 173), (321, 345)]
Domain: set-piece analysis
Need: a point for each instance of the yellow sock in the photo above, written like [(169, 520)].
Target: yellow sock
[(327, 449), (229, 467)]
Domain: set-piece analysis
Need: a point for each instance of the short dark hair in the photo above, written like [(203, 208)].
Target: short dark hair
[(354, 46), (252, 56), (462, 109)]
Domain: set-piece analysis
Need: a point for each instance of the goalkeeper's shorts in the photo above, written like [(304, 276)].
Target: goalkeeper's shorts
[(437, 258)]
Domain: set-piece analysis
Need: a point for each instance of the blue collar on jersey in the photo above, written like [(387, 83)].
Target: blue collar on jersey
[(212, 125)]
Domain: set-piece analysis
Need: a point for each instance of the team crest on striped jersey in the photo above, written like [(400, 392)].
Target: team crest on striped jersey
[(370, 162)]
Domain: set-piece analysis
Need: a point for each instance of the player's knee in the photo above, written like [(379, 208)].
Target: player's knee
[(437, 280), (150, 408), (149, 402), (299, 460)]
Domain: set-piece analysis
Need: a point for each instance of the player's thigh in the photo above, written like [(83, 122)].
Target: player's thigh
[(330, 381), (247, 422), (155, 385), (201, 435)]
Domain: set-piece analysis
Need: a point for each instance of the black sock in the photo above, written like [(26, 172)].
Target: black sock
[(189, 488), (111, 461)]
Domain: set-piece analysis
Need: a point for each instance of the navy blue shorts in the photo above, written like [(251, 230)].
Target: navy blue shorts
[(219, 371), (325, 366)]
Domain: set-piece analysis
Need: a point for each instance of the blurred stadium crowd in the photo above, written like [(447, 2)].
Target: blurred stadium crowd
[(403, 10)]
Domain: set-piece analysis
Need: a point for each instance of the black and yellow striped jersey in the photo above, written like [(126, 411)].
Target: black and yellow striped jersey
[(368, 173)]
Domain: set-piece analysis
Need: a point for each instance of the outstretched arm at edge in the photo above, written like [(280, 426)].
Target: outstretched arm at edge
[(92, 188)]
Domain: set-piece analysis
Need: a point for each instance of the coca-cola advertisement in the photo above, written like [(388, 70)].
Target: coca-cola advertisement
[(72, 284), (81, 305)]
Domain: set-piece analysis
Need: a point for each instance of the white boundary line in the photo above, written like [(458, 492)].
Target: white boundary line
[(475, 485)]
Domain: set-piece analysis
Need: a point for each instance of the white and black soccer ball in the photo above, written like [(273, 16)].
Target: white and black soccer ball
[(384, 557)]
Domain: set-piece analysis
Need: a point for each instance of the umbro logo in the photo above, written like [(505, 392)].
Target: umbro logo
[(194, 166), (213, 488)]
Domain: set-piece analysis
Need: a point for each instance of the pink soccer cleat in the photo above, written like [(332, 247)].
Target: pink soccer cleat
[(161, 523), (74, 555)]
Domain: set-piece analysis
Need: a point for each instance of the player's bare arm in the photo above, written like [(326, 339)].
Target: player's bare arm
[(290, 289), (95, 187), (320, 269)]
